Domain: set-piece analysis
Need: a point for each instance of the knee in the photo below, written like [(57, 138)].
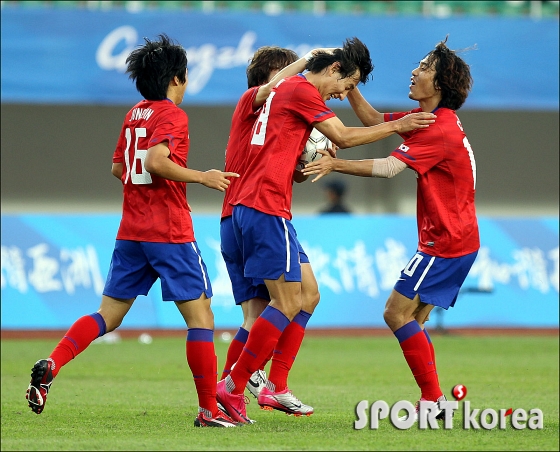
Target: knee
[(310, 301), (392, 318)]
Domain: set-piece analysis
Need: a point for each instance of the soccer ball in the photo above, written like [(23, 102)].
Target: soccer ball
[(316, 142)]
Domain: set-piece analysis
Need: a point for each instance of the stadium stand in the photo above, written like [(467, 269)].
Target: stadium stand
[(536, 9)]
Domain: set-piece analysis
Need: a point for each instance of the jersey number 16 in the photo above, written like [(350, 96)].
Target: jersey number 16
[(136, 171)]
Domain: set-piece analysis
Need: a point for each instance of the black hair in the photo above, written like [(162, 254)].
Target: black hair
[(153, 65), (265, 60), (353, 56), (452, 77), (337, 187)]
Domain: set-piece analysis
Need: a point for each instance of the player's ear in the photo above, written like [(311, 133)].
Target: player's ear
[(335, 67)]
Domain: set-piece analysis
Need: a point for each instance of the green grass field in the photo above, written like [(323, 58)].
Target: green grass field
[(131, 396)]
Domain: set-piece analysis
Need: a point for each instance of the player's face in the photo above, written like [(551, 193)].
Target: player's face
[(422, 82), (338, 87), (183, 87)]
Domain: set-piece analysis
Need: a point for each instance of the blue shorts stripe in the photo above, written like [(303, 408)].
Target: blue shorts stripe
[(407, 331), (200, 335), (287, 238), (202, 270)]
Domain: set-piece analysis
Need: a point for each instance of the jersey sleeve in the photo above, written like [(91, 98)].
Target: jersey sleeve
[(309, 105), (118, 155), (172, 128), (423, 149), (398, 115)]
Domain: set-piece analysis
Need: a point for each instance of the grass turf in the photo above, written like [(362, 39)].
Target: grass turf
[(131, 396)]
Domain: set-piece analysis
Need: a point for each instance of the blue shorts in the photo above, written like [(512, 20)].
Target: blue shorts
[(135, 267), (437, 280), (243, 288), (268, 243)]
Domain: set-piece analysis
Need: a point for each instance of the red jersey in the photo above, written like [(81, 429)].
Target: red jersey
[(242, 122), (154, 209), (446, 176), (278, 137)]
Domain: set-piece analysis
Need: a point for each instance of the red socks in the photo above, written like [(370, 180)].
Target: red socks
[(264, 335), (286, 350), (202, 360), (82, 333), (418, 355), (234, 350)]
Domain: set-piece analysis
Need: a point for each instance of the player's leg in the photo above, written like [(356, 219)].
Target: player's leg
[(184, 279), (129, 276), (269, 249), (251, 295), (82, 333), (202, 360), (400, 315), (252, 309), (422, 318), (425, 282), (284, 306), (238, 342), (289, 343), (277, 395)]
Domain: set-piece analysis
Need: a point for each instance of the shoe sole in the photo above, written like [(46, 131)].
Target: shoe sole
[(37, 373), (265, 407)]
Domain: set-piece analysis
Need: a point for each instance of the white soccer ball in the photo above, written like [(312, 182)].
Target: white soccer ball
[(316, 142)]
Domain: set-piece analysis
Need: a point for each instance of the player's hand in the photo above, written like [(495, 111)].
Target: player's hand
[(217, 179), (321, 167), (414, 121), (332, 150)]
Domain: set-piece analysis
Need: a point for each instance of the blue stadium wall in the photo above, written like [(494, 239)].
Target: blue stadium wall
[(54, 269)]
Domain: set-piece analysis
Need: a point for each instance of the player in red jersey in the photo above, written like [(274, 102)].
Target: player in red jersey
[(268, 66), (262, 207), (155, 238), (448, 238)]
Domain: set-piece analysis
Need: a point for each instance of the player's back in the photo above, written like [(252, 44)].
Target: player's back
[(155, 209), (242, 121), (278, 137)]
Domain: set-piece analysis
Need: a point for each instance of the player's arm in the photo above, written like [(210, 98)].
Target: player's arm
[(157, 162), (346, 137), (385, 167), (368, 115), (116, 170), (295, 68)]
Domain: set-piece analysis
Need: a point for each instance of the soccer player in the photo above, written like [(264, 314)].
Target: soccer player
[(155, 237), (448, 238), (262, 206), (268, 66)]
